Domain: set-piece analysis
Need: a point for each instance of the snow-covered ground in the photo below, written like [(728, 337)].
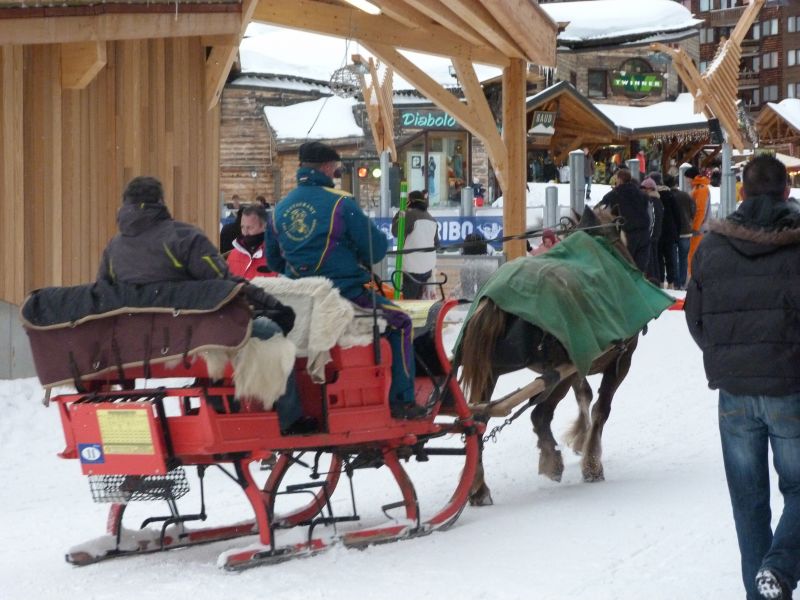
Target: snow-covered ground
[(659, 527)]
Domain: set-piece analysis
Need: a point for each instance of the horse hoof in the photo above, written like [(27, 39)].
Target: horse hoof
[(593, 477), (481, 500)]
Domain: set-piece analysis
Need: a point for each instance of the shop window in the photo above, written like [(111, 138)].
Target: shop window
[(437, 162), (598, 83)]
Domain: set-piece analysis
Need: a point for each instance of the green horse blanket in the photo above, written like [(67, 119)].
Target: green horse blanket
[(581, 292)]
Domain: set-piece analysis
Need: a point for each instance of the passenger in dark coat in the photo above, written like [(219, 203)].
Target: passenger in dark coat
[(743, 310), (686, 208), (631, 204), (152, 247)]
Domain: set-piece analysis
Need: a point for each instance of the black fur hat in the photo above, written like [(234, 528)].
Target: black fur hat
[(317, 152)]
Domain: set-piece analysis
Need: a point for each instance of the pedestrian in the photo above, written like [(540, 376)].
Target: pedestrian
[(588, 172), (421, 231), (702, 209), (627, 201), (743, 310), (667, 262), (656, 210), (686, 209)]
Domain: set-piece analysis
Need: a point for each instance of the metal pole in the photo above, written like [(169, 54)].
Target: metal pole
[(467, 208), (684, 184), (401, 240), (386, 194), (550, 206), (633, 166), (577, 185), (727, 192)]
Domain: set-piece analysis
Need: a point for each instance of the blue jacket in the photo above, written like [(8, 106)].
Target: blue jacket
[(320, 231)]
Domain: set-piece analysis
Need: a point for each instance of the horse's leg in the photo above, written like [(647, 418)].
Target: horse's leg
[(613, 375), (479, 493), (576, 436), (550, 462)]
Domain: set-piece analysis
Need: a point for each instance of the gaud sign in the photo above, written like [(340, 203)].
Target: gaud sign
[(426, 118)]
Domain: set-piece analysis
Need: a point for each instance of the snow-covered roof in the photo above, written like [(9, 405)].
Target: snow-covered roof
[(662, 115), (601, 20), (789, 110), (269, 49), (323, 119)]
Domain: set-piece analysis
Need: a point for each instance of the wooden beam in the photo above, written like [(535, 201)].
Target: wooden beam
[(63, 30), (429, 87), (80, 63), (219, 61), (449, 19), (476, 100), (514, 136), (480, 19), (519, 18), (340, 21), (404, 14)]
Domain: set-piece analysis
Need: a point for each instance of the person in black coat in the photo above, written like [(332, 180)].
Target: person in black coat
[(743, 310), (631, 204), (667, 265)]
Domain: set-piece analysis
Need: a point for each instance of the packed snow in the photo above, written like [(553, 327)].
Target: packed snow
[(789, 109), (326, 118), (659, 527), (661, 114)]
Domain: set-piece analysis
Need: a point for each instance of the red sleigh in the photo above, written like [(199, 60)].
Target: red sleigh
[(135, 435)]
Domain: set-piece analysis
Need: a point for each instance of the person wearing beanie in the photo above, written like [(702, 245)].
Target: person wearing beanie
[(656, 210), (421, 231), (320, 231), (743, 311), (702, 209), (152, 247)]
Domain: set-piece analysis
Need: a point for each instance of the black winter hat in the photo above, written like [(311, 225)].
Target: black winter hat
[(317, 152)]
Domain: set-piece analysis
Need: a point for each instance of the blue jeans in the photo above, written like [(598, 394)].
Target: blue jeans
[(683, 262), (748, 425)]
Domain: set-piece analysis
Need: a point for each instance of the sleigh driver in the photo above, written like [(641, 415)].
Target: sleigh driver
[(321, 231)]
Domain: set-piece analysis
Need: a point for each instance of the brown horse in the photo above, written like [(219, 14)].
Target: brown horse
[(516, 344)]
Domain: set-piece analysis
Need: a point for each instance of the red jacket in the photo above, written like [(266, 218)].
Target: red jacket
[(243, 264)]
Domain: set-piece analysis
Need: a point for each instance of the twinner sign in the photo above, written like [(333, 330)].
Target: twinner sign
[(637, 84), (424, 118)]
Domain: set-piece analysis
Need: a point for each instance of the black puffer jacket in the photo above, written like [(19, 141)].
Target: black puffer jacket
[(743, 300), (152, 247)]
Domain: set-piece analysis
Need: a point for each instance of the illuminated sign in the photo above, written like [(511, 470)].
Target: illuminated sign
[(636, 84)]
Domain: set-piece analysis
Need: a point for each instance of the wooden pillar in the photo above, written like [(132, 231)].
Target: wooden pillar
[(514, 137), (12, 188)]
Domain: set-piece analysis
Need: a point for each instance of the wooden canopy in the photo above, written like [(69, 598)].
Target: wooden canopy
[(774, 128), (506, 33)]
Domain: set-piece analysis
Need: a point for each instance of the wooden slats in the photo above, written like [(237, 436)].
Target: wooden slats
[(74, 150), (12, 188)]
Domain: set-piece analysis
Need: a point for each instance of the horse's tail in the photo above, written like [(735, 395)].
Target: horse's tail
[(483, 330)]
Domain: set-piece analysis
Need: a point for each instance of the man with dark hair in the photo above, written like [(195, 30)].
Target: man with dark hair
[(628, 201), (421, 231), (247, 257), (685, 209), (743, 310), (152, 247), (317, 230)]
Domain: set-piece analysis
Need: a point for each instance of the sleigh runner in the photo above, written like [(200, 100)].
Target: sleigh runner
[(135, 434)]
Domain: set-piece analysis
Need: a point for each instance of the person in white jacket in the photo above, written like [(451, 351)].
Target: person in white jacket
[(421, 231)]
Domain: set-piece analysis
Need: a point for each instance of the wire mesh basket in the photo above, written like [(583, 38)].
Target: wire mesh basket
[(139, 488)]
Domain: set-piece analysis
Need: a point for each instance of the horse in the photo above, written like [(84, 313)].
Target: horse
[(514, 344)]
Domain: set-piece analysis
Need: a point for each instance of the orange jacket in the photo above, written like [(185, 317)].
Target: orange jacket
[(702, 202)]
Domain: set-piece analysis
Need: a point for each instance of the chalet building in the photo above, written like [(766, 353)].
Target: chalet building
[(770, 67)]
